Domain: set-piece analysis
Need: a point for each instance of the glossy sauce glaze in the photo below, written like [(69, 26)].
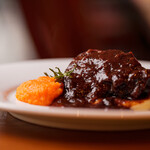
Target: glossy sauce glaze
[(111, 78)]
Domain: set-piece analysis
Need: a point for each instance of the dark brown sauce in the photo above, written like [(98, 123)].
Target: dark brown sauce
[(101, 79), (109, 102)]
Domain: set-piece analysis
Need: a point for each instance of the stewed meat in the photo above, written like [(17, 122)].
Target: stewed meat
[(101, 77)]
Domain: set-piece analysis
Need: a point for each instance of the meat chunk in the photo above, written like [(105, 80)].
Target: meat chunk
[(101, 74)]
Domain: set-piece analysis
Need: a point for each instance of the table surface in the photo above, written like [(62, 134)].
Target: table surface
[(18, 135)]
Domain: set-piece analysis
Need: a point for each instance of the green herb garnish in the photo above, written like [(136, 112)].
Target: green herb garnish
[(59, 75)]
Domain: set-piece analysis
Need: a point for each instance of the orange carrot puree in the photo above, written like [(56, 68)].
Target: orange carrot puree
[(41, 91)]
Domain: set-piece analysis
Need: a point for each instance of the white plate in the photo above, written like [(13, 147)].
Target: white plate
[(14, 74)]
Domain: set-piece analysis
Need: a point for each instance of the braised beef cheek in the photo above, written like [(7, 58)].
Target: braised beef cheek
[(102, 77)]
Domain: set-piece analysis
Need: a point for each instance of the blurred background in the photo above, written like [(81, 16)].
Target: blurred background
[(31, 29)]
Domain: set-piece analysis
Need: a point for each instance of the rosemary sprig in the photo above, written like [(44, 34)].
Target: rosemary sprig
[(59, 75)]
